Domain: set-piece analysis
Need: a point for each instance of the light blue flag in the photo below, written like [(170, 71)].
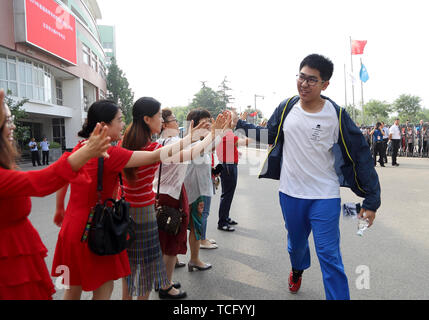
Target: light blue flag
[(364, 77)]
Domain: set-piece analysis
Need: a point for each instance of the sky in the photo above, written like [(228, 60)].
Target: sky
[(167, 47)]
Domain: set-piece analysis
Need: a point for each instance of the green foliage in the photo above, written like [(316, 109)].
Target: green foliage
[(181, 113), (408, 107), (54, 145), (21, 132), (375, 110), (118, 90), (223, 93), (208, 99), (423, 115)]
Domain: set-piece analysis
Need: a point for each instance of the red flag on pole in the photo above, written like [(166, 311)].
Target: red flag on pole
[(358, 46)]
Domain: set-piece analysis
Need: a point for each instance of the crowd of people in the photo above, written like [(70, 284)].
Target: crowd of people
[(409, 140), (315, 149), (187, 183)]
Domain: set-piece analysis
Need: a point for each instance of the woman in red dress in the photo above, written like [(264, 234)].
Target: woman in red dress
[(23, 272), (88, 271)]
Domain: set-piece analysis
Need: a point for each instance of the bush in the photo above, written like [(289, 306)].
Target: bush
[(55, 145)]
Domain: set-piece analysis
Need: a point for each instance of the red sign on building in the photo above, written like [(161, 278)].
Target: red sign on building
[(51, 28)]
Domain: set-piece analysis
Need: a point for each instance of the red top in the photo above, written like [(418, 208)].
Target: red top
[(23, 272), (227, 151), (86, 268), (139, 193)]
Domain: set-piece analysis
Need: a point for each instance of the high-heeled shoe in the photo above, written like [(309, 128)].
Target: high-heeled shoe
[(163, 294), (192, 266)]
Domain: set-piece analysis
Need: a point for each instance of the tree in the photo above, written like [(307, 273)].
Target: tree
[(223, 93), (21, 132), (208, 99), (118, 90), (423, 115), (376, 110), (181, 113), (349, 109), (408, 107)]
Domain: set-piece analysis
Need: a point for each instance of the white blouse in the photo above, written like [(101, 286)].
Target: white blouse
[(172, 174)]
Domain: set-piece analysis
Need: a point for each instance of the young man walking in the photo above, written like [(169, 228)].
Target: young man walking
[(316, 148)]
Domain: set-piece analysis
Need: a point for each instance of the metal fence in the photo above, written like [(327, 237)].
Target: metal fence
[(414, 140)]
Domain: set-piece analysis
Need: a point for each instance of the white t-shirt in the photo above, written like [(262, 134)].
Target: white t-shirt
[(385, 133), (198, 179), (394, 131), (308, 161)]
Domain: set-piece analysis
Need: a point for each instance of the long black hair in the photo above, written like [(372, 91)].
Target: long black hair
[(138, 133), (100, 111)]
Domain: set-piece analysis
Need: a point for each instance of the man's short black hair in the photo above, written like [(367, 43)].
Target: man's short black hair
[(321, 63)]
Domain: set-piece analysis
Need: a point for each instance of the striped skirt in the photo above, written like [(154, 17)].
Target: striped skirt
[(147, 266)]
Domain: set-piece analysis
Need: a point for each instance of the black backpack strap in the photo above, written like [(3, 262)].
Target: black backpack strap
[(100, 177), (159, 176)]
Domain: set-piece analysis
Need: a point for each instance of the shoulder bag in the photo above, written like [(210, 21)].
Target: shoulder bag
[(109, 229), (169, 219)]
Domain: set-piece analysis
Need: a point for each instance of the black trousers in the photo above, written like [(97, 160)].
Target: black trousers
[(45, 157), (35, 158), (379, 150), (385, 141), (395, 147), (228, 178)]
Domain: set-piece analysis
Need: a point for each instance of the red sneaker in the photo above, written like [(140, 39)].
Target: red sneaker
[(294, 286)]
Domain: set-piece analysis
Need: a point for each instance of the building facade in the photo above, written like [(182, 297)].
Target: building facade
[(51, 54), (108, 41)]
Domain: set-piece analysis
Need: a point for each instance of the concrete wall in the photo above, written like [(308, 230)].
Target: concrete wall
[(73, 98)]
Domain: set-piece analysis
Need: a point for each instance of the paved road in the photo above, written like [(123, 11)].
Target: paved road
[(252, 262)]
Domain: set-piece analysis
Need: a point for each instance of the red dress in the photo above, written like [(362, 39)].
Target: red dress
[(23, 272), (87, 269)]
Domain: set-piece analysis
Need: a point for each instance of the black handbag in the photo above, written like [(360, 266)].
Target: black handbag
[(109, 229), (169, 219)]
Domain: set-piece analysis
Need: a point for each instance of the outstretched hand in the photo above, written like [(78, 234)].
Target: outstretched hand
[(202, 130), (244, 115), (222, 123), (98, 142)]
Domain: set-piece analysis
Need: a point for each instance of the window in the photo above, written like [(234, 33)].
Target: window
[(58, 132), (25, 79), (102, 71), (8, 74), (102, 95), (94, 61), (59, 92), (47, 82), (86, 54)]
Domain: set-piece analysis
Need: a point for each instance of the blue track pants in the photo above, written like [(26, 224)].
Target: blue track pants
[(322, 217)]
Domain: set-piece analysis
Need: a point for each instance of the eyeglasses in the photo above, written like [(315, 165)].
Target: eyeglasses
[(174, 120), (310, 80)]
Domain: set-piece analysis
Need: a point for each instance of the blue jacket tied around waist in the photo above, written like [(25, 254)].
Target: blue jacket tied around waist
[(354, 164)]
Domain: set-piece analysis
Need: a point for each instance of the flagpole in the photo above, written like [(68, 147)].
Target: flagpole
[(345, 85), (353, 86), (361, 85)]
